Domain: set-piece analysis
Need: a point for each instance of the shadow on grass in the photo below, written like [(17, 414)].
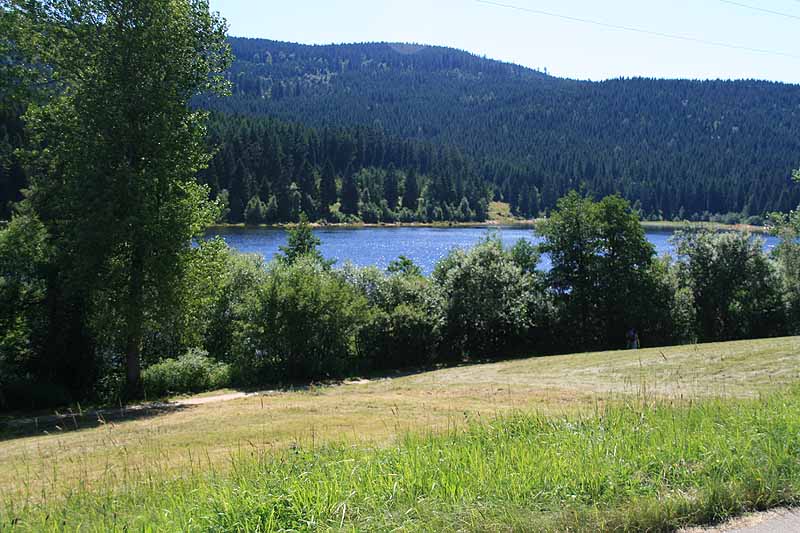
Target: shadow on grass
[(27, 424), (67, 421)]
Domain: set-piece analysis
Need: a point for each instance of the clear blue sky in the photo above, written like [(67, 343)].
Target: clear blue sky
[(565, 48)]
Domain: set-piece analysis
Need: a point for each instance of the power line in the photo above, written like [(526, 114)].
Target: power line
[(640, 30), (761, 9)]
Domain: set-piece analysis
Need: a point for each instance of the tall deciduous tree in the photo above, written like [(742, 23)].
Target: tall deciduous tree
[(601, 271), (570, 236), (118, 148)]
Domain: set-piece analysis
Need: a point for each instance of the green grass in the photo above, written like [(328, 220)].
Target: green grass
[(673, 225), (633, 465)]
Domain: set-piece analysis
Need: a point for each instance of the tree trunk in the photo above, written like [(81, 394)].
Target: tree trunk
[(135, 317)]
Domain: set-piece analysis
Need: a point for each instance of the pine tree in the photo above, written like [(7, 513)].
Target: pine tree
[(256, 211), (391, 187), (327, 188), (309, 191), (349, 195), (411, 192)]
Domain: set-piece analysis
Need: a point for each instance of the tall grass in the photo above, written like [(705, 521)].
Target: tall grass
[(636, 466)]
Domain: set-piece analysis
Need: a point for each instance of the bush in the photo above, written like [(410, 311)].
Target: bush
[(23, 316), (736, 289), (302, 322), (214, 284), (787, 254), (488, 299), (192, 372), (406, 320), (670, 314)]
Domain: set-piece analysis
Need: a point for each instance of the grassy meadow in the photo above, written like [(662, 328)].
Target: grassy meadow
[(654, 438)]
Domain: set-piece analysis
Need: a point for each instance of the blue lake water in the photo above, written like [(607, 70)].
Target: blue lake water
[(379, 246)]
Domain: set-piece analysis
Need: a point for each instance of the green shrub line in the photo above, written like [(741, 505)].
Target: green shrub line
[(299, 318), (635, 465)]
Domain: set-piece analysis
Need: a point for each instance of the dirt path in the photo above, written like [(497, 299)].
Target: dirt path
[(214, 399)]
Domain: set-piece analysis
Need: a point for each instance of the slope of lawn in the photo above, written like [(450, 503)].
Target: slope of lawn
[(655, 438)]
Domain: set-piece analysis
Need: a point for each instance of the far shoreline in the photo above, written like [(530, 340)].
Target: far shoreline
[(665, 225)]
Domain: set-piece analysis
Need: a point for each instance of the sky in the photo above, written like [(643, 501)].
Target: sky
[(566, 48)]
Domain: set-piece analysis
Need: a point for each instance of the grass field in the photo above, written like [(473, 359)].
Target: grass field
[(113, 469)]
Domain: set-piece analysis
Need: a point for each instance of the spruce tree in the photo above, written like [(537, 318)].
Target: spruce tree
[(411, 192), (349, 195), (391, 187), (327, 188)]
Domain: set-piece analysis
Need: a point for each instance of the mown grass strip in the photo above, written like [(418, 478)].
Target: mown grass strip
[(644, 465)]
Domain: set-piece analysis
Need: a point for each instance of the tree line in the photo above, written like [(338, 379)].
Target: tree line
[(268, 171), (302, 121), (103, 295), (241, 321)]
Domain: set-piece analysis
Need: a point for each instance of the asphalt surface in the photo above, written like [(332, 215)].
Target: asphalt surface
[(775, 521)]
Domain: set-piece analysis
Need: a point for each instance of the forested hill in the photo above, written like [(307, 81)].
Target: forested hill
[(678, 147), (384, 132)]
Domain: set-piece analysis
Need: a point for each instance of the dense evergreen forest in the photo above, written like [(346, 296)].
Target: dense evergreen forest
[(270, 171), (383, 132), (675, 148)]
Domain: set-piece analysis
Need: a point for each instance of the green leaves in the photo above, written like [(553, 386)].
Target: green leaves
[(489, 298), (601, 273), (736, 289), (116, 150), (302, 243)]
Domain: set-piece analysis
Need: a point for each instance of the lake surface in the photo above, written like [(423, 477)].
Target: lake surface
[(379, 246)]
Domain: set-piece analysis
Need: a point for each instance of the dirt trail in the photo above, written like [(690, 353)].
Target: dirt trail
[(214, 399)]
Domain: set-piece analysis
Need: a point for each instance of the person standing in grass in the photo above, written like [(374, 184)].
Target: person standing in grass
[(633, 339)]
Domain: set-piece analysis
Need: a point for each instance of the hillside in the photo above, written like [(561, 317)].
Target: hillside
[(679, 147), (389, 132), (93, 455)]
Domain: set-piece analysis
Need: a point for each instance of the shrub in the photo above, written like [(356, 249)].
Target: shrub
[(670, 314), (192, 372), (736, 288), (214, 284), (787, 254), (23, 315), (405, 325), (487, 299), (301, 322), (404, 266)]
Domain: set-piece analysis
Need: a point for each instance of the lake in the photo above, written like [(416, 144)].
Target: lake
[(379, 246)]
